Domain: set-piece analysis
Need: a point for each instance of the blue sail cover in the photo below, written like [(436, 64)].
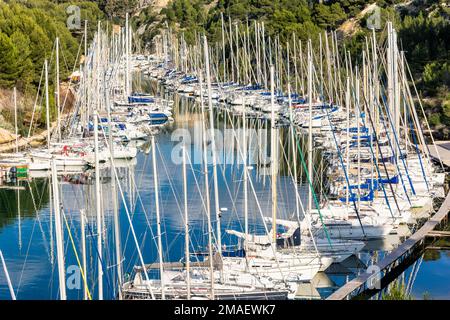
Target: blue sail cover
[(371, 185), (157, 121), (250, 88), (189, 79), (239, 253), (298, 101), (139, 99), (157, 115), (121, 126), (354, 197), (361, 130)]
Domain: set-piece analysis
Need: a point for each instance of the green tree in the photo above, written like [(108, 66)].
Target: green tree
[(9, 58)]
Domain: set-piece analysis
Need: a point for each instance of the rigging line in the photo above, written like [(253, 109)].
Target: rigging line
[(200, 194), (327, 89), (393, 153), (102, 260), (383, 63), (134, 206), (38, 218), (149, 225), (418, 154), (223, 169), (35, 101), (135, 251), (233, 173), (298, 198), (377, 165), (26, 259), (8, 280), (316, 172), (415, 274), (398, 144), (76, 255), (123, 199), (341, 160), (385, 105), (73, 70), (308, 178), (383, 161), (129, 219), (257, 203), (424, 115), (174, 193), (410, 122)]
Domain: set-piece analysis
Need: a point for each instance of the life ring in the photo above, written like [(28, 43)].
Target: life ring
[(66, 150)]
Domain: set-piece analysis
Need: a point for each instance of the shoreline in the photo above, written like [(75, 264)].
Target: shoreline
[(33, 141)]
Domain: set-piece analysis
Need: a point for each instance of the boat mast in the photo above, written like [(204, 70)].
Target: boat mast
[(47, 105), (390, 76), (223, 48), (59, 235), (127, 57), (83, 252), (291, 126), (264, 54), (238, 78), (310, 145), (98, 208), (206, 173), (374, 101), (186, 228), (302, 78), (8, 279), (15, 118), (395, 60), (244, 155), (273, 156), (114, 195), (347, 149), (258, 54), (58, 100), (158, 218), (231, 50), (295, 63), (358, 137), (213, 147)]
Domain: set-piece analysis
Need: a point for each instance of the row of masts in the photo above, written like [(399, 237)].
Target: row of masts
[(329, 78), (99, 78), (332, 63)]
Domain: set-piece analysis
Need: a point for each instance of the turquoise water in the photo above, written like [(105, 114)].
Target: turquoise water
[(433, 277)]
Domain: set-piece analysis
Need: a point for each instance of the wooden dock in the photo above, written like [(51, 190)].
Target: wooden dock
[(394, 263), (442, 151)]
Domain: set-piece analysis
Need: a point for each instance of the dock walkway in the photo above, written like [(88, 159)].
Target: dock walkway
[(403, 252), (443, 148)]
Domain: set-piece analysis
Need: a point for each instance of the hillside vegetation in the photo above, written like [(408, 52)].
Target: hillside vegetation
[(27, 37)]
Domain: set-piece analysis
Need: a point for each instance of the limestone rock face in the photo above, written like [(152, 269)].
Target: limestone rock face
[(6, 136)]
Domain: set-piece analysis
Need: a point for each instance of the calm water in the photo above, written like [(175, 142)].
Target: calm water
[(27, 236)]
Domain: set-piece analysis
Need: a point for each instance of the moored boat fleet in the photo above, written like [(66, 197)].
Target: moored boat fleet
[(379, 172), (360, 119)]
